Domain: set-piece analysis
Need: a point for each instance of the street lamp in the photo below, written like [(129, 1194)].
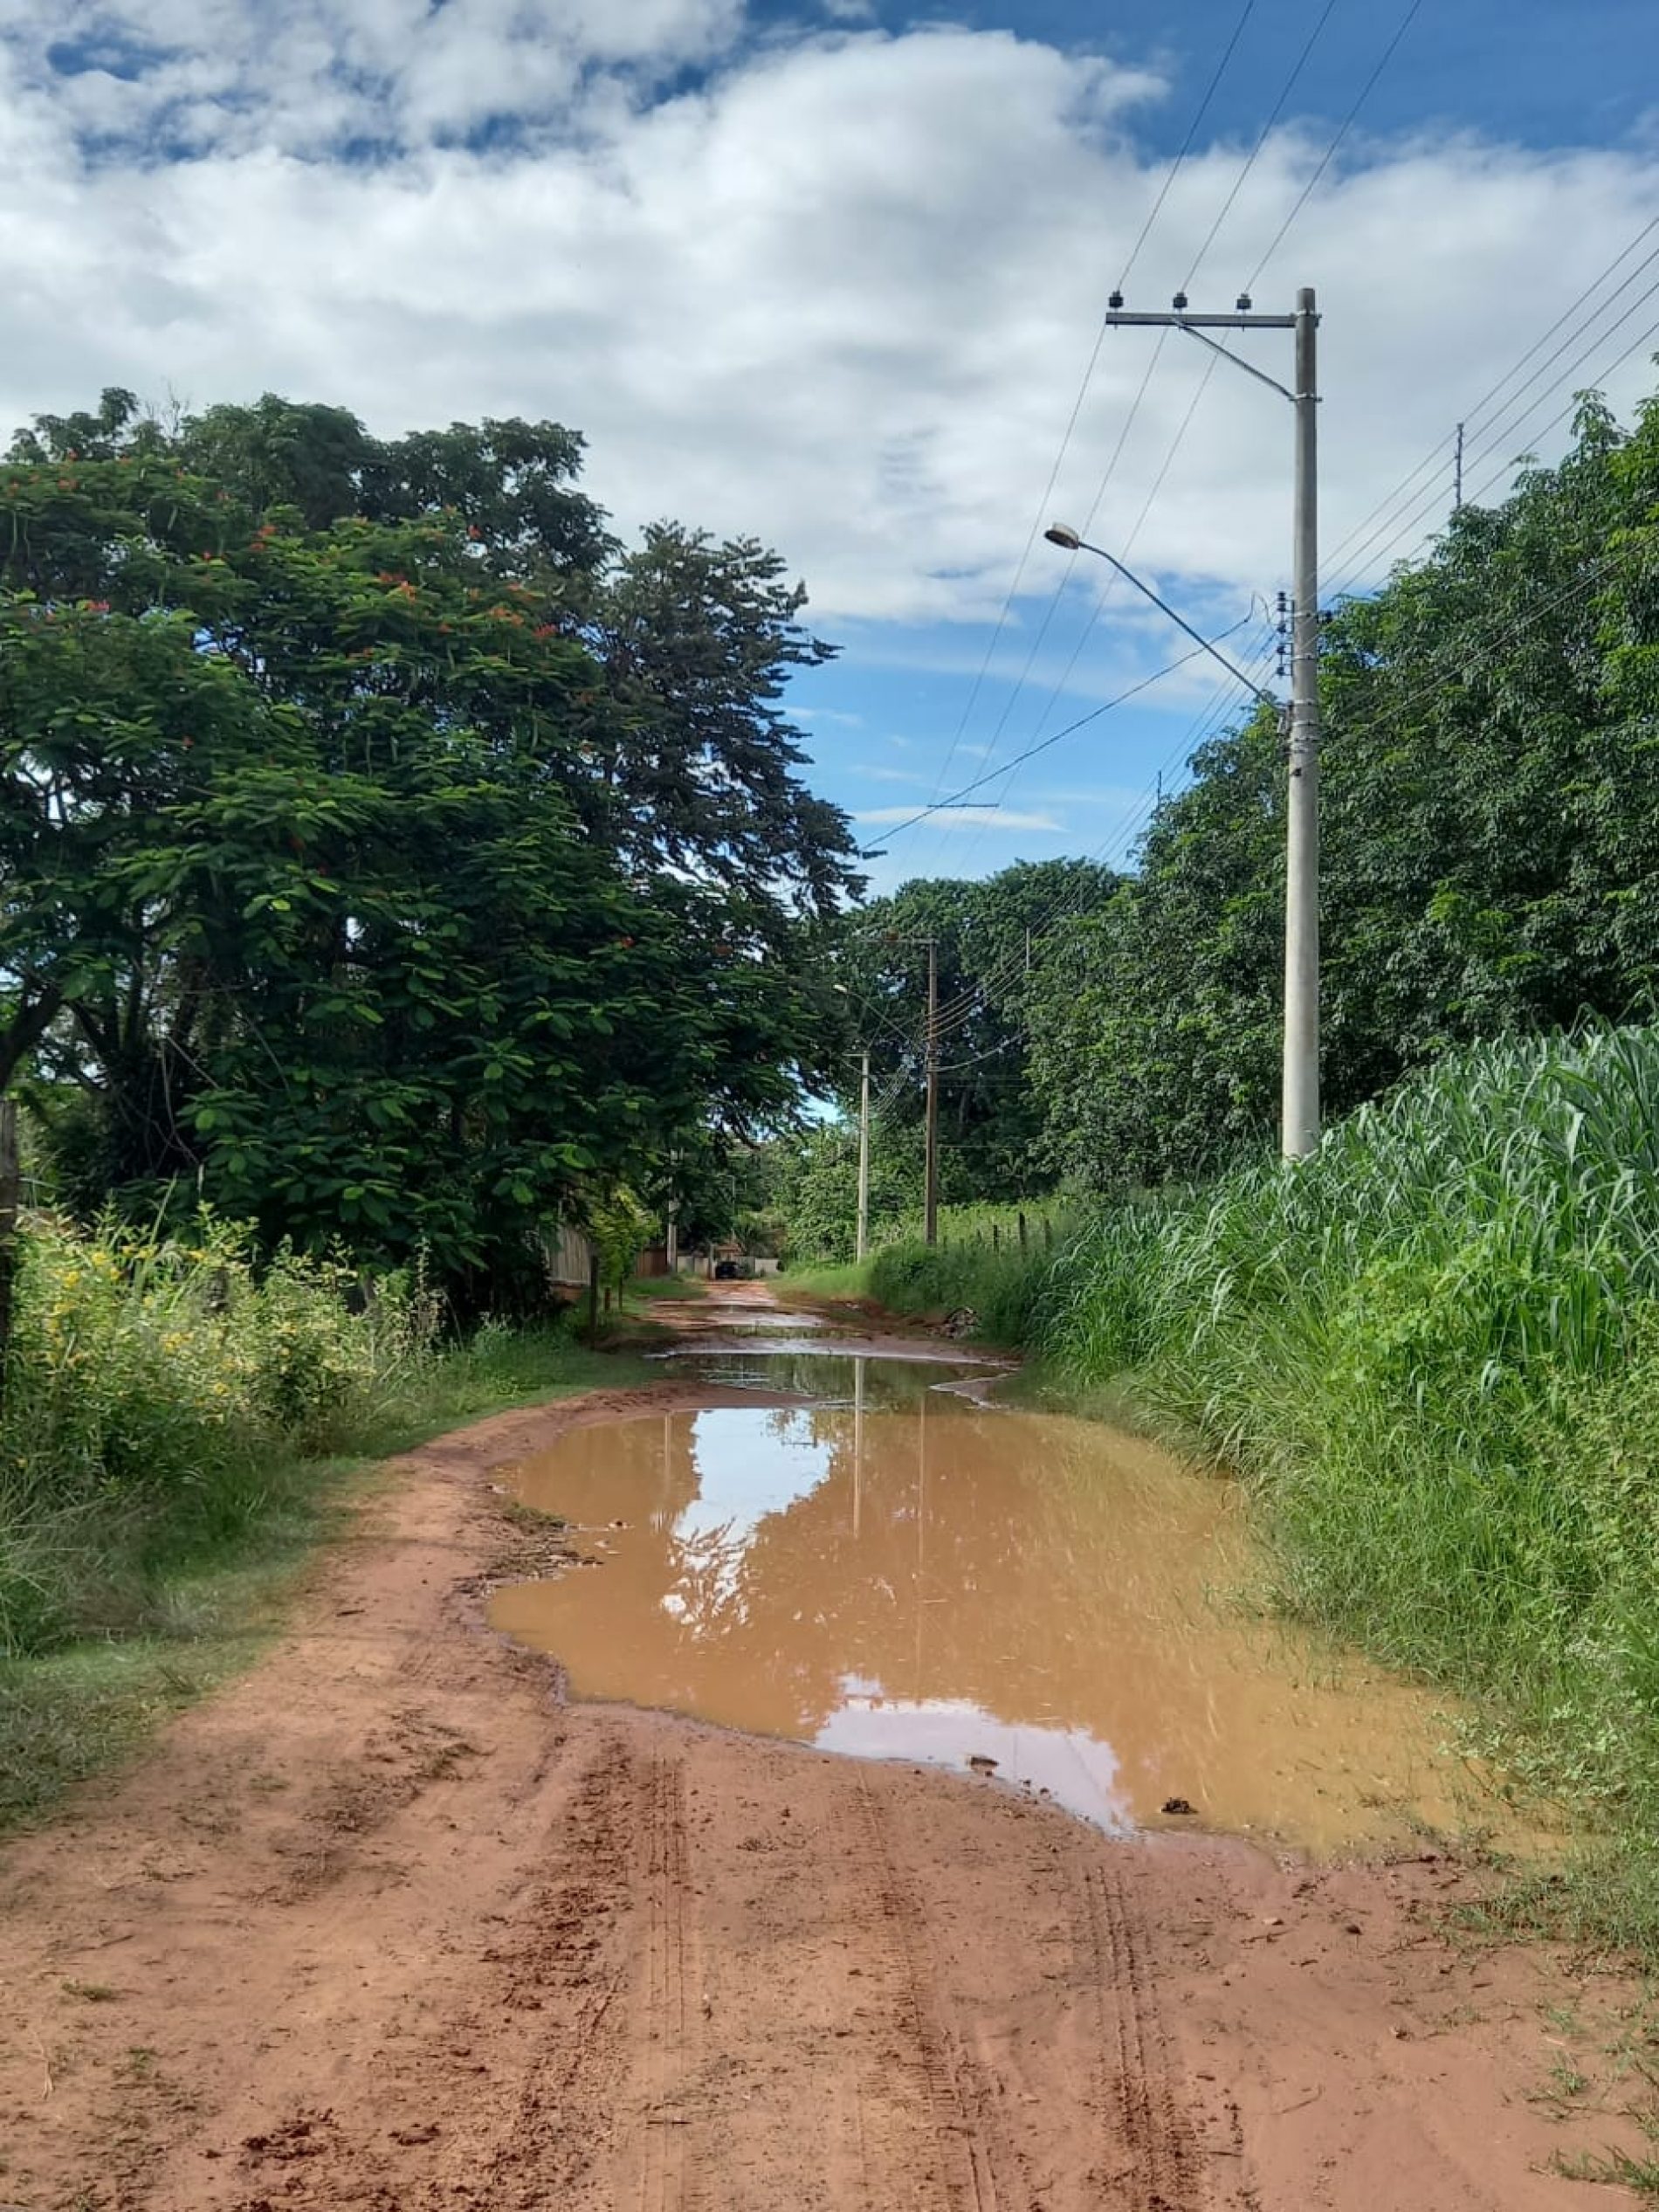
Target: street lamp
[(1299, 1120), (1057, 533)]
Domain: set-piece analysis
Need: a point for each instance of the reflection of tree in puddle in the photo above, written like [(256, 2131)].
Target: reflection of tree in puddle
[(938, 1579)]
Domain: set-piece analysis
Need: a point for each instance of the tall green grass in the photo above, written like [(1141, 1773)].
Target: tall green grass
[(999, 1285), (981, 1264), (1434, 1349)]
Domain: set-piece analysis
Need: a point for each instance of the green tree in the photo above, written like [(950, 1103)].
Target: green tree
[(1490, 827), (987, 936), (337, 867)]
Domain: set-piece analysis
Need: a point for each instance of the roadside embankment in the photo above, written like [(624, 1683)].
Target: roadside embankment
[(179, 1429), (1434, 1351)]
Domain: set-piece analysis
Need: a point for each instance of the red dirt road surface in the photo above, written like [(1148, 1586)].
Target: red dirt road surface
[(386, 1925)]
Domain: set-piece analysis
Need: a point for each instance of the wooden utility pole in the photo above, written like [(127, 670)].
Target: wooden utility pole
[(931, 1214), (9, 1193)]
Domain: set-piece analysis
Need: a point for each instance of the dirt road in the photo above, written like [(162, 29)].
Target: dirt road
[(387, 1925)]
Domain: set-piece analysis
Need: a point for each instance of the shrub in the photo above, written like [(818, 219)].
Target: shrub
[(151, 1381)]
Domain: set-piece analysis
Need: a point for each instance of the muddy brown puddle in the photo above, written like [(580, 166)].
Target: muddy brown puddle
[(897, 1571)]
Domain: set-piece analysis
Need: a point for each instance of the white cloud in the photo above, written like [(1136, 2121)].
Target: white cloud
[(308, 76), (838, 293), (892, 775), (963, 817)]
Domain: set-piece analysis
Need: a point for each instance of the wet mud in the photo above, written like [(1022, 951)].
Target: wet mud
[(894, 1570)]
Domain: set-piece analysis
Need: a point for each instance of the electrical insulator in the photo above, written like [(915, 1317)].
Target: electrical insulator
[(1115, 302), (1179, 303)]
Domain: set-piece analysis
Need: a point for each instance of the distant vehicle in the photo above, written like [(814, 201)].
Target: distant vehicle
[(733, 1271)]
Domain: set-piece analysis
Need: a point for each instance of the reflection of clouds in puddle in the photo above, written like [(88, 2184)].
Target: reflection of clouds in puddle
[(1075, 1768), (747, 1471), (907, 1577)]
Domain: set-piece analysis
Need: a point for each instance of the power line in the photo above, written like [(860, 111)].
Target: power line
[(1083, 390), (991, 775), (1473, 416), (1376, 725), (1120, 840), (1285, 91), (1369, 87), (1510, 426), (1365, 93), (1185, 148), (1289, 86)]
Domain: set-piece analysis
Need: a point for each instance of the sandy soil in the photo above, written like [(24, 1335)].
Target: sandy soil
[(387, 1925)]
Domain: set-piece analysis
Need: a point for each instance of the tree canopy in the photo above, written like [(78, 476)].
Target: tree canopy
[(1490, 831), (382, 845)]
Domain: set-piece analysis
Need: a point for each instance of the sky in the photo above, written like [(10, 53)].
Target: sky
[(831, 273)]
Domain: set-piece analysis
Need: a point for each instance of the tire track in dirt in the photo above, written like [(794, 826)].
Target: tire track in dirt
[(1160, 2165), (666, 2154), (505, 2100), (569, 1968), (980, 2168)]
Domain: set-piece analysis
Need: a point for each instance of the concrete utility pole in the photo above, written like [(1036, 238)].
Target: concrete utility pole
[(930, 1221), (1458, 474), (672, 1238), (863, 1156), (1299, 1127), (1301, 1115)]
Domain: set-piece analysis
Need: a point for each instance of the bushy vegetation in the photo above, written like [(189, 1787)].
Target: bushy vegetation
[(175, 1432), (150, 1385)]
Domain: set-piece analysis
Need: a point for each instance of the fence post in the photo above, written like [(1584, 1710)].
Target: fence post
[(593, 1299), (996, 1237), (1048, 1233), (1021, 1232), (9, 1197)]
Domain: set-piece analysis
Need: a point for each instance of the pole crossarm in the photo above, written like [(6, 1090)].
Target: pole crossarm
[(1122, 319)]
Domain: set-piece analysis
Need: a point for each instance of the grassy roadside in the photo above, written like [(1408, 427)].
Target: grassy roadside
[(198, 1604), (1433, 1353), (645, 1288), (911, 1279)]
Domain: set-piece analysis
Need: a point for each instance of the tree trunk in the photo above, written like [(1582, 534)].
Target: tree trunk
[(10, 1191)]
